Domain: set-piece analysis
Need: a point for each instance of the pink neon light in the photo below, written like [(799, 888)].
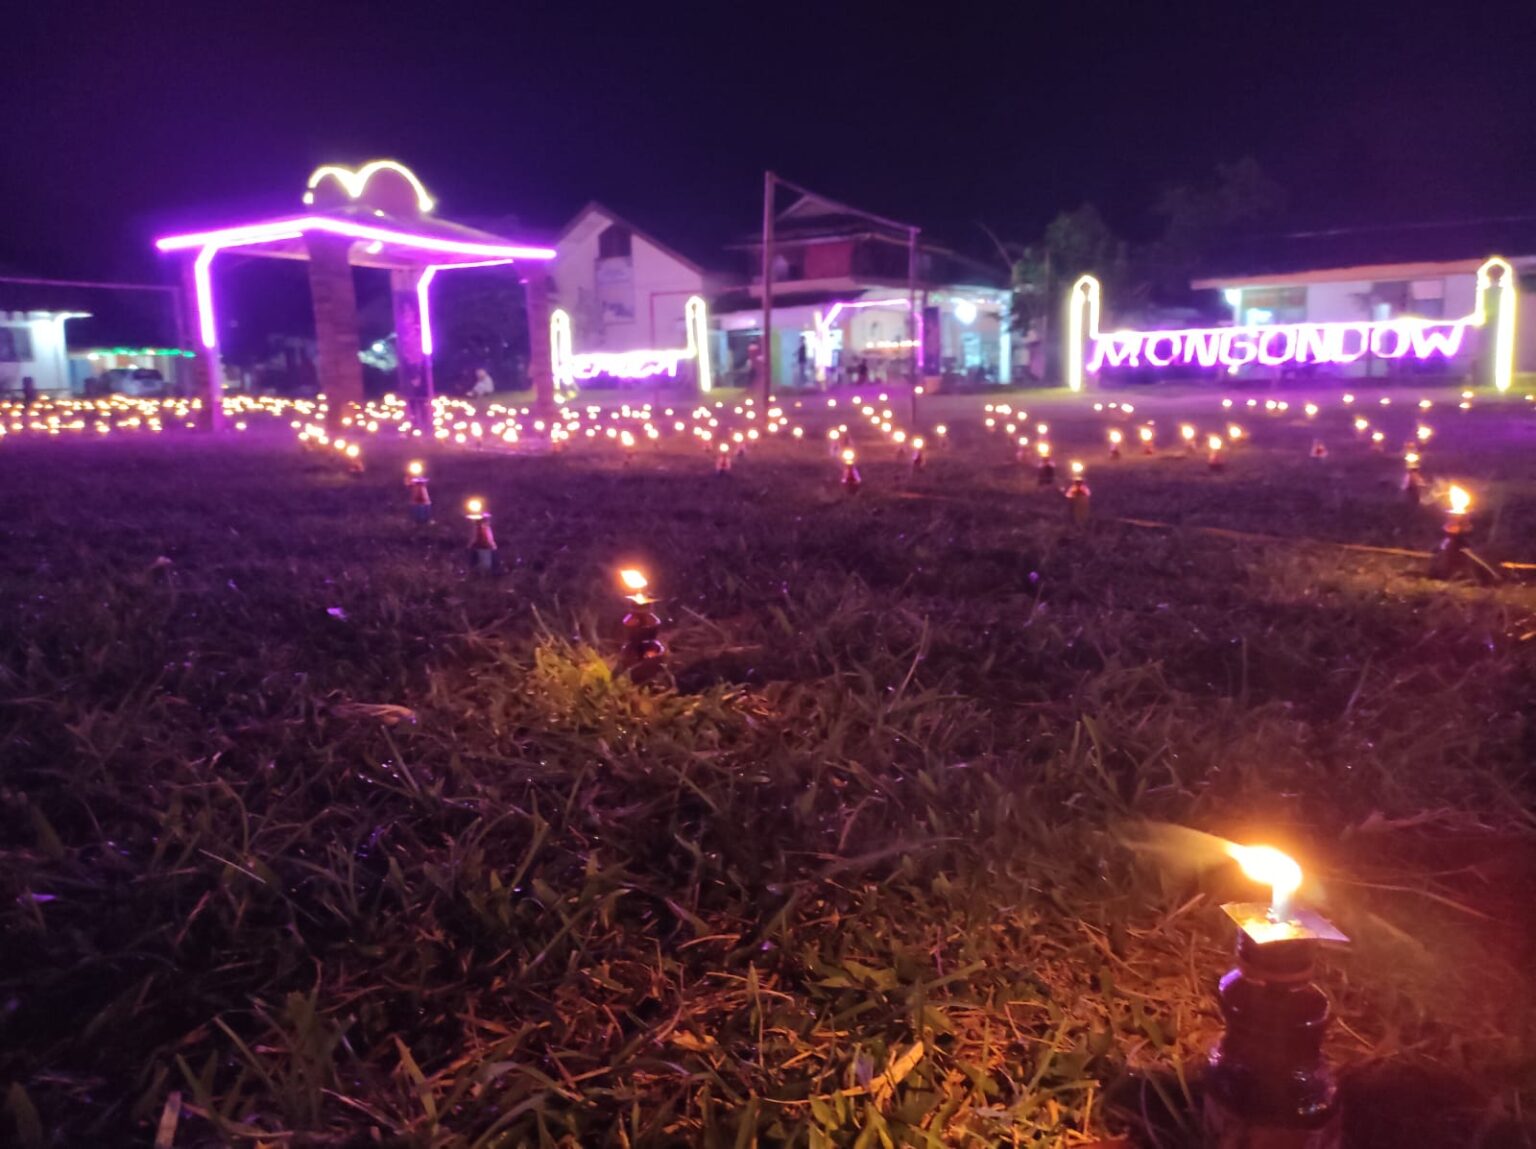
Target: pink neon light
[(424, 308), (858, 304), (627, 364), (202, 285), (423, 304), (1279, 344), (268, 232)]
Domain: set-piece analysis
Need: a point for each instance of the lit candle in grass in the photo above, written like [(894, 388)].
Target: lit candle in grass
[(642, 626), (851, 479), (1147, 435), (634, 582), (1268, 866), (1079, 498), (482, 543), (421, 497), (1413, 478), (1275, 1018), (1214, 460), (1045, 474), (1187, 433), (1115, 439)]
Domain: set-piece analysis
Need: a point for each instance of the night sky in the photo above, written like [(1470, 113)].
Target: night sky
[(128, 118)]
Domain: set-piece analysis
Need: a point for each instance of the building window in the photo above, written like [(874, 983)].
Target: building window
[(614, 242), (15, 345), (1426, 298), (1274, 305)]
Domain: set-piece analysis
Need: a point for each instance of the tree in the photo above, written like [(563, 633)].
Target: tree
[(1198, 219), (480, 320), (1073, 243)]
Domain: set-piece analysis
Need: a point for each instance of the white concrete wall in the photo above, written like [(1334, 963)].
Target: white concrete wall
[(1335, 302), (661, 286), (49, 365)]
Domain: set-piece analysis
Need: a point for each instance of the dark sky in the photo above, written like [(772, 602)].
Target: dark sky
[(128, 117)]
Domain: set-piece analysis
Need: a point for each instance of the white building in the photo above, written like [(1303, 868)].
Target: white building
[(845, 285), (624, 289), (1445, 289), (33, 345)]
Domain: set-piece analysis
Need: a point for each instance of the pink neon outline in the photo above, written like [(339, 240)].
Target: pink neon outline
[(424, 310), (270, 231), (643, 364), (1174, 347), (202, 285), (1303, 343), (423, 307), (824, 325)]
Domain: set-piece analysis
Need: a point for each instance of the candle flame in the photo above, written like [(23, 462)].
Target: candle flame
[(1460, 499), (1044, 448), (633, 579), (1187, 431), (415, 468), (1270, 867), (1146, 434), (474, 506), (1115, 437), (848, 457), (1214, 442), (1077, 469)]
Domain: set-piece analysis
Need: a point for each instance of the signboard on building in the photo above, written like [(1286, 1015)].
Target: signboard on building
[(616, 290)]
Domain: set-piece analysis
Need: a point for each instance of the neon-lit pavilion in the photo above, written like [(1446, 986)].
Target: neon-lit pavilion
[(377, 216)]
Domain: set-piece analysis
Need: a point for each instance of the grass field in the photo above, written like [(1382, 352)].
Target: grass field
[(311, 839)]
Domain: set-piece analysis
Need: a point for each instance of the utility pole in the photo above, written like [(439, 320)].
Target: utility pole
[(766, 358)]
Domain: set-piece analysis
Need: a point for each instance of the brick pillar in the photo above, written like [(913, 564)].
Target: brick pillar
[(207, 376), (540, 370), (336, 339)]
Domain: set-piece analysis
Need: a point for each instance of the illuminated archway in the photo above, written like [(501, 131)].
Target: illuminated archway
[(1090, 349), (571, 367)]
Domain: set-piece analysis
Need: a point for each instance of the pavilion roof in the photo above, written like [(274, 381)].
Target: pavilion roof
[(381, 239)]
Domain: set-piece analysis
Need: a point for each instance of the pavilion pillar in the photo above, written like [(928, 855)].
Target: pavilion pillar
[(205, 371), (415, 384), (336, 338), (541, 370)]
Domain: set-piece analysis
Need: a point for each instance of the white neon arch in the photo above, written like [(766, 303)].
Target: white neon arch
[(354, 181), (1090, 349), (570, 368)]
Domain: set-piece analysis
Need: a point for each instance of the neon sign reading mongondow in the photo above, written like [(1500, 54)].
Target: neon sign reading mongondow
[(1090, 351), (571, 367)]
